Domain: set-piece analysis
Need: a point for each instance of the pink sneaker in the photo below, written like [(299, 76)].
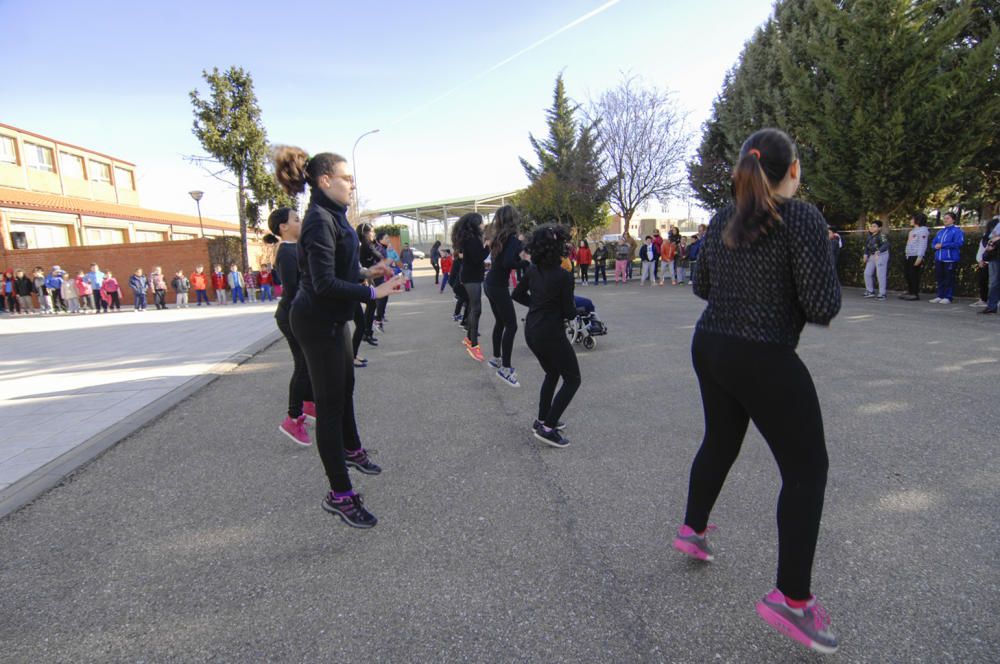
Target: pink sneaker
[(296, 430), (809, 625), (309, 410), (693, 544)]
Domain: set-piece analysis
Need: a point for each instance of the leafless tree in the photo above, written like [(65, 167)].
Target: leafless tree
[(645, 142)]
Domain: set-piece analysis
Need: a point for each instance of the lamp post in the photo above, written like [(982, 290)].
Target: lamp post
[(354, 163), (196, 195)]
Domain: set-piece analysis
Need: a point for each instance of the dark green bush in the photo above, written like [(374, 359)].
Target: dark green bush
[(852, 271)]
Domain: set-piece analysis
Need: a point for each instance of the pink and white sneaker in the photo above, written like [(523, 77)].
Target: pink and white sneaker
[(693, 544), (296, 430), (809, 625), (309, 410)]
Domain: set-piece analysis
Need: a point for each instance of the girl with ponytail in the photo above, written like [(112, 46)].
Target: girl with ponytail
[(766, 269), (328, 292)]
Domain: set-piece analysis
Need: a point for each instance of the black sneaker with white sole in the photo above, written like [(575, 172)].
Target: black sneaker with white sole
[(538, 423), (551, 438), (351, 510), (361, 462)]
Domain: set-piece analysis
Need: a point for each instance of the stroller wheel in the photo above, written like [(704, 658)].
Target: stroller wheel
[(590, 343)]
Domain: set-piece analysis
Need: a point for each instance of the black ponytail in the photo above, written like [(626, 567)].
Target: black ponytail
[(764, 161)]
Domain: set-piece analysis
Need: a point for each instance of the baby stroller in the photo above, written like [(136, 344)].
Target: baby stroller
[(586, 326)]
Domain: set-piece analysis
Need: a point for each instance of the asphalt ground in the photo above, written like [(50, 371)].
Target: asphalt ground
[(201, 537)]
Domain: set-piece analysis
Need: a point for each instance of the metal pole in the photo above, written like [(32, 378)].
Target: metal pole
[(198, 203), (354, 164)]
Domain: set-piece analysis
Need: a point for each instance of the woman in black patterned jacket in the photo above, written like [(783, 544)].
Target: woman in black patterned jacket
[(766, 270)]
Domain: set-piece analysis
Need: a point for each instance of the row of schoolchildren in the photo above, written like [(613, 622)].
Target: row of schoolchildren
[(96, 291)]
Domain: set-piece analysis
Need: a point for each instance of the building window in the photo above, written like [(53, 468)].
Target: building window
[(100, 172), (148, 236), (72, 165), (105, 236), (184, 236), (8, 150), (39, 157), (42, 236), (123, 178)]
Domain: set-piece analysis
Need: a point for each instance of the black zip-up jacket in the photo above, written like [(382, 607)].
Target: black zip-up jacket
[(23, 286), (601, 256), (329, 270), (473, 261), (548, 294), (286, 263), (509, 258)]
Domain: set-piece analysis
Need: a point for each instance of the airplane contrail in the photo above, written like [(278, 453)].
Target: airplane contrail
[(569, 26)]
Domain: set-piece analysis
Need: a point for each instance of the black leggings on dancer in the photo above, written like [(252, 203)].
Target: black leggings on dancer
[(583, 273), (558, 360), (299, 388), (505, 325), (475, 309), (331, 371), (742, 381)]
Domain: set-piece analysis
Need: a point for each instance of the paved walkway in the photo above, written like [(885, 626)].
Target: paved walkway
[(67, 379), (201, 538)]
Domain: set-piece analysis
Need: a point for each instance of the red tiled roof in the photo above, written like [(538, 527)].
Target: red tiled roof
[(33, 200)]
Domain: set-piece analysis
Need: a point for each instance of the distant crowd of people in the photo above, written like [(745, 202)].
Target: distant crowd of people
[(58, 291)]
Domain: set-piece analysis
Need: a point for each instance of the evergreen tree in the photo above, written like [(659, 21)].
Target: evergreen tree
[(566, 184)]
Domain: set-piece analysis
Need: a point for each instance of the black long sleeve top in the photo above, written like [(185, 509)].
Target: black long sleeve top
[(473, 261), (287, 264), (506, 260), (768, 291), (329, 269), (548, 294)]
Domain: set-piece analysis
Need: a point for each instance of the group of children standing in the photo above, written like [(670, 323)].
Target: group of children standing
[(97, 291)]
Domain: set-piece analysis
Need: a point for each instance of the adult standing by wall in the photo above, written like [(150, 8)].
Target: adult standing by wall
[(876, 261), (991, 256), (601, 263), (96, 279), (467, 237), (916, 250), (329, 286), (765, 270), (947, 252)]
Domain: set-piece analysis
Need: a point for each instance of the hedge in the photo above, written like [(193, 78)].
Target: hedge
[(852, 271)]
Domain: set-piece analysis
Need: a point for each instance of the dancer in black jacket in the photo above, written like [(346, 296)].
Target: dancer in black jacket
[(329, 289), (467, 237), (547, 291), (505, 250)]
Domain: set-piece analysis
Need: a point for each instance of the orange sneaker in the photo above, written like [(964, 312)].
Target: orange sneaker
[(468, 344), (475, 353)]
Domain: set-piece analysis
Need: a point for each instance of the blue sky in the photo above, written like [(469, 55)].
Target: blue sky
[(115, 77)]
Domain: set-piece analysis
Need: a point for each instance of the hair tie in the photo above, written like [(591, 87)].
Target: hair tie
[(755, 152)]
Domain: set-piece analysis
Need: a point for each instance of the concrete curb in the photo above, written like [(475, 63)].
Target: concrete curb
[(33, 485)]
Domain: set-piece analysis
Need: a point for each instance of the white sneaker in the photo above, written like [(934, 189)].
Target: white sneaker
[(944, 300), (935, 300), (508, 376)]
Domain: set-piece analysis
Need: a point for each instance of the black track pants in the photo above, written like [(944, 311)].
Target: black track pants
[(558, 360), (299, 388), (505, 325)]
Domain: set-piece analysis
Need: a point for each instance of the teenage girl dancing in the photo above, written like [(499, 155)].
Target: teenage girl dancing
[(547, 291), (766, 269), (329, 289), (505, 250), (285, 226), (467, 237)]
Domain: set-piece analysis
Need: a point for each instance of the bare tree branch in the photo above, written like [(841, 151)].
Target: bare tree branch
[(201, 161)]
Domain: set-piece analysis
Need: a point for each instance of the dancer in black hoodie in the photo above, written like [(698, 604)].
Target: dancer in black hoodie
[(505, 249), (467, 237), (547, 291), (329, 288)]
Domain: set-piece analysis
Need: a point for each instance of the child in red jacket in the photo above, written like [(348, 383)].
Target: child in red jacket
[(446, 263), (266, 281), (219, 284)]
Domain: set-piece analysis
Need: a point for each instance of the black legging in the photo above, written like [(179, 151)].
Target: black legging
[(437, 270), (299, 388), (360, 328), (331, 372), (558, 360), (583, 273), (474, 311), (505, 325), (742, 381), (370, 310), (912, 273)]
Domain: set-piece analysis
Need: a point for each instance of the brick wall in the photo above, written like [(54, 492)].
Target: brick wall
[(122, 259)]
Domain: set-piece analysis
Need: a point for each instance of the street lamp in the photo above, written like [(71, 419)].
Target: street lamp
[(196, 195), (354, 163)]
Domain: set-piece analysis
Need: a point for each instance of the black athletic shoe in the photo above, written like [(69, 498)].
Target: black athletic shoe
[(538, 423), (350, 510), (988, 311), (552, 438), (362, 463), (368, 338)]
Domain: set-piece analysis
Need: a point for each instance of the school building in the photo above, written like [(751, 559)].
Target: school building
[(54, 194)]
